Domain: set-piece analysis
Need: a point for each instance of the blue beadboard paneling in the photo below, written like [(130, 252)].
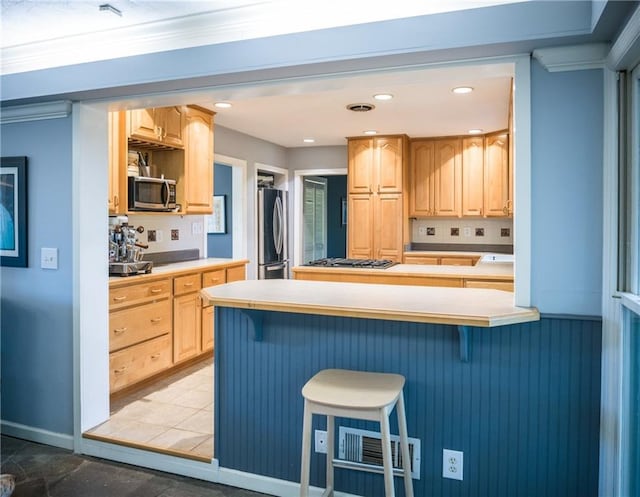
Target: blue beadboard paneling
[(524, 410)]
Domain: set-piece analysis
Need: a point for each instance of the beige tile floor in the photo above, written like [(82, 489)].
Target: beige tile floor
[(174, 413)]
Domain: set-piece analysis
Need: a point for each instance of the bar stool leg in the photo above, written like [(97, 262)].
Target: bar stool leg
[(404, 443), (386, 453), (306, 451), (330, 454)]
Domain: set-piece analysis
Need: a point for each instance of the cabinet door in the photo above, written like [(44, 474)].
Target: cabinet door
[(422, 170), (472, 176), (207, 328), (117, 162), (198, 164), (388, 164), (142, 125), (187, 318), (388, 227), (360, 165), (360, 224), (447, 178), (496, 175), (171, 123)]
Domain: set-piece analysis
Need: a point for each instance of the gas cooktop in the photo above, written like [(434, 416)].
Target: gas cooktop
[(341, 262)]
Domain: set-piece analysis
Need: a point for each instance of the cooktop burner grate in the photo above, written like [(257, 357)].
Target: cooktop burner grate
[(342, 262)]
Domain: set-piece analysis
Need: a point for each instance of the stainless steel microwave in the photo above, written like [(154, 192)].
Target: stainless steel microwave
[(151, 194)]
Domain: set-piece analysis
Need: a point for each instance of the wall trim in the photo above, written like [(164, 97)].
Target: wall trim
[(572, 58), (38, 435), (625, 52), (35, 112), (578, 317)]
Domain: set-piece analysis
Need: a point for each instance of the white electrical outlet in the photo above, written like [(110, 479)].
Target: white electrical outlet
[(49, 258), (466, 231), (196, 228), (321, 441), (452, 464), (422, 230), (158, 235)]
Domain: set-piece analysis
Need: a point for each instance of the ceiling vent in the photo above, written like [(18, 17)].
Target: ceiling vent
[(361, 107)]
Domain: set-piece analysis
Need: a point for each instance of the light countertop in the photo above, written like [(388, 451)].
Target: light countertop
[(454, 306), (174, 268)]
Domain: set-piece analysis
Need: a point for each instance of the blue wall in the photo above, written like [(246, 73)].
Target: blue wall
[(36, 304), (566, 190), (336, 231), (525, 410), (221, 244)]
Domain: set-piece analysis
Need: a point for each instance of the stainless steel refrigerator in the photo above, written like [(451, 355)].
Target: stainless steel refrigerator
[(272, 234)]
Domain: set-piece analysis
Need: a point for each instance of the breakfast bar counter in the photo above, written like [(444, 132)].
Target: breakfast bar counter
[(420, 304)]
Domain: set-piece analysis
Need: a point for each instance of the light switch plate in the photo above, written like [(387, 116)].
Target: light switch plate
[(49, 258)]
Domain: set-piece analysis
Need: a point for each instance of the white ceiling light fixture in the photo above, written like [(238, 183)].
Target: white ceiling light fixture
[(107, 7), (475, 131), (222, 105), (383, 96), (461, 90), (309, 140), (370, 132)]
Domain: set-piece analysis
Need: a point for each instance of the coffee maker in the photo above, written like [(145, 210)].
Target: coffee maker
[(125, 251)]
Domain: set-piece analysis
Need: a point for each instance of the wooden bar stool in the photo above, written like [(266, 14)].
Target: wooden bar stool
[(358, 395)]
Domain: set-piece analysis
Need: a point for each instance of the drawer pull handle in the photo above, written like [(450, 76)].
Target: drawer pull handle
[(188, 284), (120, 370), (118, 331), (120, 299), (156, 320), (155, 356), (155, 290)]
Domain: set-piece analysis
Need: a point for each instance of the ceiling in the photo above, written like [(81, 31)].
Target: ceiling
[(285, 114)]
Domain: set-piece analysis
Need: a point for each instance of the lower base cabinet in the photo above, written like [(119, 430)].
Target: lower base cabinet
[(158, 324)]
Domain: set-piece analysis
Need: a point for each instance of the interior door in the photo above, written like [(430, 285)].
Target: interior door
[(314, 213)]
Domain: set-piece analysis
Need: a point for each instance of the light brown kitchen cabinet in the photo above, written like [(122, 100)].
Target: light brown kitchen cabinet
[(198, 162), (187, 319), (117, 200), (376, 209), (208, 340), (436, 177), (160, 126), (496, 175), (473, 176)]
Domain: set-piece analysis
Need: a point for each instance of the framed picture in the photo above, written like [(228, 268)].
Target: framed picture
[(13, 211), (344, 210), (216, 221)]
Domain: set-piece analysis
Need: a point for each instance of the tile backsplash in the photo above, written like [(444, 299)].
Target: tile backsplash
[(464, 231), (170, 232)]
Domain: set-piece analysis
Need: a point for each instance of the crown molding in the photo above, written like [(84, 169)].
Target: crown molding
[(625, 52), (573, 58), (35, 112)]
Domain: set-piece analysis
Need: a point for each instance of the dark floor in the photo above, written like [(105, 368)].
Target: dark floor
[(45, 471)]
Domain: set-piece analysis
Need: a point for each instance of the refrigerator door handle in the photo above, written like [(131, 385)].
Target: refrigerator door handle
[(277, 225), (275, 267)]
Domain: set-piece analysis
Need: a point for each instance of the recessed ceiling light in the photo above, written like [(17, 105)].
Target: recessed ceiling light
[(309, 140), (475, 131), (462, 89), (222, 105), (370, 132), (383, 96)]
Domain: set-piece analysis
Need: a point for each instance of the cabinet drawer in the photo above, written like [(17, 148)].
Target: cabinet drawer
[(140, 323), (140, 361), (186, 284), (237, 273), (496, 285), (417, 259), (138, 293), (457, 261), (212, 278)]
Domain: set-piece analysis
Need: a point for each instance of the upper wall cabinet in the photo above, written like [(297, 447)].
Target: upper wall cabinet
[(162, 126), (198, 162), (117, 200), (376, 164), (460, 176)]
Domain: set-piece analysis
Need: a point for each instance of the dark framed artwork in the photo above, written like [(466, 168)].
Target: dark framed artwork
[(13, 211)]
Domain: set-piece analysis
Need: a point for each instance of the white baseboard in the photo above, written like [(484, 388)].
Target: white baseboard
[(37, 435)]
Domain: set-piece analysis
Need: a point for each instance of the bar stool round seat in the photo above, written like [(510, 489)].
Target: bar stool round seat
[(358, 395)]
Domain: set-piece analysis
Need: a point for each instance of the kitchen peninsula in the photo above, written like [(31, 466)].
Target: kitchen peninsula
[(273, 335)]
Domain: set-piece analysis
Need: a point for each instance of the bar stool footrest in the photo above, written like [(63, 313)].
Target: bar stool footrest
[(359, 466)]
